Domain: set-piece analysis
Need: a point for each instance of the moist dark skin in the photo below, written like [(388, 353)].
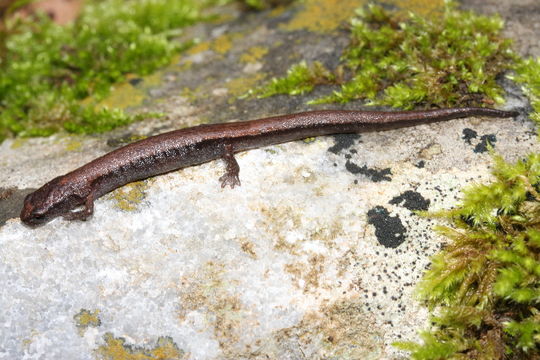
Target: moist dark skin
[(72, 195)]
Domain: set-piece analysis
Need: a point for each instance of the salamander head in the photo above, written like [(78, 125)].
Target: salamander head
[(49, 201)]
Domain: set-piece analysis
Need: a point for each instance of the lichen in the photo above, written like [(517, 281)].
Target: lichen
[(130, 196), (115, 348), (85, 319), (483, 288), (209, 289), (238, 86), (411, 61), (322, 15), (221, 44), (253, 54)]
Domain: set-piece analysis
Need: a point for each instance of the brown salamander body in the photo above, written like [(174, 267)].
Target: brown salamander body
[(177, 149)]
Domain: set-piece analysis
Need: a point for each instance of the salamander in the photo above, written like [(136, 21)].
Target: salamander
[(72, 195)]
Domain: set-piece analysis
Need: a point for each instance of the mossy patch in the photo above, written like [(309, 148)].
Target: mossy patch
[(47, 70), (300, 79), (485, 284), (527, 72), (409, 61), (115, 348), (85, 319)]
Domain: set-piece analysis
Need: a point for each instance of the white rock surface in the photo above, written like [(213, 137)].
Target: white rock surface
[(285, 266)]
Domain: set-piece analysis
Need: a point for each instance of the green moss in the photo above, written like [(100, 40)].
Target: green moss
[(300, 79), (411, 62), (485, 285), (47, 69), (527, 72)]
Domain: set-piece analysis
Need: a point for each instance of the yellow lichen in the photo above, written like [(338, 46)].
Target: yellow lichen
[(328, 15), (199, 48), (222, 44), (117, 349), (73, 145), (420, 7), (85, 319), (253, 54), (17, 143), (130, 196), (242, 85), (323, 15), (122, 96)]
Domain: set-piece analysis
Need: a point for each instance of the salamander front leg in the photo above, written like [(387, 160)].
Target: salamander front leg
[(232, 170), (83, 214)]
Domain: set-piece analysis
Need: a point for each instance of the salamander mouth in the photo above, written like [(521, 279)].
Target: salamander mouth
[(33, 219), (30, 217)]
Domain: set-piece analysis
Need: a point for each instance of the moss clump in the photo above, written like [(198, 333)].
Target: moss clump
[(527, 72), (47, 68), (299, 80), (412, 62), (485, 284)]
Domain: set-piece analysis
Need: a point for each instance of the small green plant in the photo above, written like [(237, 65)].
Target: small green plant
[(527, 72), (484, 287), (300, 79), (411, 62), (47, 69)]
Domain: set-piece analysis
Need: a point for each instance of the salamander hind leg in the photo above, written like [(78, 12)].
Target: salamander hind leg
[(84, 213), (231, 176)]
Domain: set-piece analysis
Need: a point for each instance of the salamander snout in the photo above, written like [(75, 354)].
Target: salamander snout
[(32, 215), (44, 204)]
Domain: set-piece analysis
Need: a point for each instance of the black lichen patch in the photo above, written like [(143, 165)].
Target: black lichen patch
[(482, 146), (389, 230), (484, 141), (468, 135), (376, 175), (411, 200), (342, 142)]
